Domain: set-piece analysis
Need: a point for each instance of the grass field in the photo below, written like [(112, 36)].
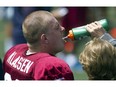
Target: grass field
[(2, 37), (80, 75)]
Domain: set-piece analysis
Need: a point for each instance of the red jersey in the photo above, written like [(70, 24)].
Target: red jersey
[(39, 66)]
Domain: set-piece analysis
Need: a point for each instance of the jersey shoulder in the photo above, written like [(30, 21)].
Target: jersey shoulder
[(52, 60), (52, 67), (17, 48)]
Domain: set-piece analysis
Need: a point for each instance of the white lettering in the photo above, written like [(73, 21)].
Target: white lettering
[(28, 66), (10, 58), (7, 77), (19, 63), (23, 65), (14, 62)]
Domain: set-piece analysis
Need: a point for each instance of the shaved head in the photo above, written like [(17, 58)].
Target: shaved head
[(37, 23)]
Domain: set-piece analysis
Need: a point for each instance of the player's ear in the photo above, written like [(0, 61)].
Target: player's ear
[(44, 38)]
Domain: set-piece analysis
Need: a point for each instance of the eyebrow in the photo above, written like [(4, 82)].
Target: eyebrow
[(57, 25)]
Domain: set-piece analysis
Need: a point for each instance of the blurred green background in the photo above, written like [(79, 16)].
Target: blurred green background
[(2, 37)]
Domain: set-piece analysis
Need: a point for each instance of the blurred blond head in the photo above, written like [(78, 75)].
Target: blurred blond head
[(99, 60)]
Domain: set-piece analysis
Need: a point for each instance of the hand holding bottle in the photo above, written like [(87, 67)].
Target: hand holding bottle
[(95, 29)]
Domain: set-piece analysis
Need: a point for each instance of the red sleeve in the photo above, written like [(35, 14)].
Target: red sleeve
[(6, 56), (52, 71), (10, 51)]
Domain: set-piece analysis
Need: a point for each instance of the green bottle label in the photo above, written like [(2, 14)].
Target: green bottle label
[(81, 31)]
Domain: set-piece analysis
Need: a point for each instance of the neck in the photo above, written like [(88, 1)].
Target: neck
[(39, 48), (33, 48)]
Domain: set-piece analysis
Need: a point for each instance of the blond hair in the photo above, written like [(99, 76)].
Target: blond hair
[(99, 60)]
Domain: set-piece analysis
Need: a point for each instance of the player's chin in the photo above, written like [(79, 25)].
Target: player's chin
[(62, 47), (63, 41)]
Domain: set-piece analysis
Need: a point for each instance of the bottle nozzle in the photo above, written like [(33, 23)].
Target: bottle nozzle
[(71, 35), (65, 38)]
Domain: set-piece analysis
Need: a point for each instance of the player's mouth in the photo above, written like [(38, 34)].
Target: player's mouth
[(66, 39)]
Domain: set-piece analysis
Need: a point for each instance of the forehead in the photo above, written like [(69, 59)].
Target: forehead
[(53, 23)]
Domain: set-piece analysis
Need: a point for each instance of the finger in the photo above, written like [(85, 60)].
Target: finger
[(88, 28), (98, 24)]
